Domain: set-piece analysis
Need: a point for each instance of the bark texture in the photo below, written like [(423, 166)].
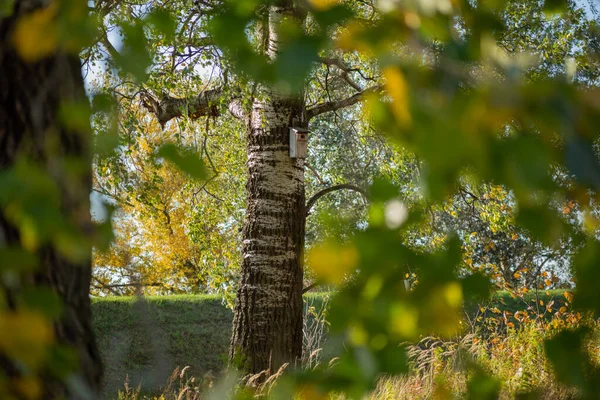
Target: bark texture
[(30, 96), (267, 326)]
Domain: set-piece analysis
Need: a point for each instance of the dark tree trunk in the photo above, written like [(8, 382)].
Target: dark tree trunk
[(30, 96)]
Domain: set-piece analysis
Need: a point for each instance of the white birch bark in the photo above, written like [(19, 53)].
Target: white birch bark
[(268, 316)]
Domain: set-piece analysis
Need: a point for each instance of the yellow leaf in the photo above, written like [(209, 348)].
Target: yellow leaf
[(442, 392), (442, 313), (35, 35), (373, 287), (403, 320), (29, 234), (453, 294), (379, 342), (323, 5), (25, 336), (348, 38), (331, 262), (541, 302), (29, 386), (568, 296), (397, 88), (309, 392), (357, 334), (517, 275)]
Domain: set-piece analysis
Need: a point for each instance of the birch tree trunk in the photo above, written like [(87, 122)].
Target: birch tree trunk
[(31, 94), (267, 326)]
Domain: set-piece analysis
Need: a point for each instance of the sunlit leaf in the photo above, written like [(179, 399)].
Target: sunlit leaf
[(25, 336), (397, 87), (332, 263), (35, 35)]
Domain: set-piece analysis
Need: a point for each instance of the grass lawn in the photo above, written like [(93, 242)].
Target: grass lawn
[(146, 340)]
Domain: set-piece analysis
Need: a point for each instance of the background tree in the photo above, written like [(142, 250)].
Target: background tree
[(173, 233), (269, 312)]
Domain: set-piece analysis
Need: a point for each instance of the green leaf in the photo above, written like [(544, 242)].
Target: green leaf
[(335, 15), (42, 299), (6, 8), (186, 161), (393, 359), (483, 387), (476, 287), (75, 116), (543, 223), (555, 6), (103, 102), (582, 161), (134, 58), (17, 259), (162, 21), (294, 63), (565, 352), (586, 267)]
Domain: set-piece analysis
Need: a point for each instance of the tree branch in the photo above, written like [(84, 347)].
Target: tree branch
[(112, 51), (120, 285), (311, 202), (347, 102), (310, 287), (338, 62), (202, 105)]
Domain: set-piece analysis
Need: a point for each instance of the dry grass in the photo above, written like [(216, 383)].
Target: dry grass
[(438, 368)]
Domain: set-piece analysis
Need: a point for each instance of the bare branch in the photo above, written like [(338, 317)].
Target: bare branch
[(100, 285), (311, 202), (347, 102)]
